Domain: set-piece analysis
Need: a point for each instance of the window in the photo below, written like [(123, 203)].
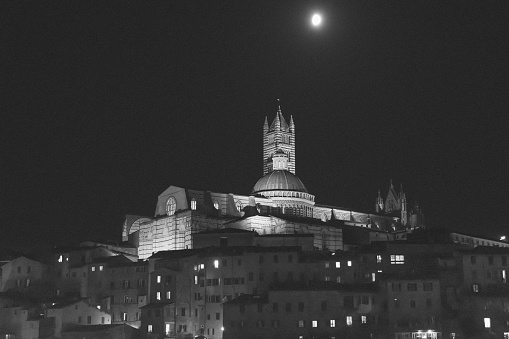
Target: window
[(428, 302), (288, 307), (239, 206), (487, 322), (158, 295), (158, 279), (89, 319), (338, 264), (363, 319), (101, 268), (193, 204), (327, 264), (261, 277), (93, 268), (412, 287), (412, 303), (397, 259), (124, 316), (338, 279), (171, 206), (216, 204), (301, 323), (290, 258), (396, 287), (490, 260), (250, 276), (275, 323), (126, 284), (260, 308), (27, 283), (60, 258), (276, 258), (314, 323), (149, 328), (275, 307), (29, 269), (473, 259), (216, 263), (349, 320), (349, 263), (396, 303), (168, 295), (183, 311), (475, 288), (504, 261), (428, 287), (332, 323), (378, 258), (260, 259)]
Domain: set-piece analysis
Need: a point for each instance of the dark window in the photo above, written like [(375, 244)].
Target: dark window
[(473, 259), (290, 258), (301, 307), (276, 258), (324, 305), (260, 308), (260, 259), (183, 311), (288, 307), (250, 276), (428, 286), (261, 276), (218, 316), (412, 287), (428, 302), (242, 308), (225, 262), (412, 303), (89, 319), (504, 261), (290, 276), (275, 307), (490, 260), (276, 276)]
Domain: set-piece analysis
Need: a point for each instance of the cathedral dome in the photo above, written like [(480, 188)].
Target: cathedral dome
[(279, 180)]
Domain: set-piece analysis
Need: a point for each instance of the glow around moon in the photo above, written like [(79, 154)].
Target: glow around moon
[(316, 20)]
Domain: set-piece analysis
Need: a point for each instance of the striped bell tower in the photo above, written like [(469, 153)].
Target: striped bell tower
[(278, 136)]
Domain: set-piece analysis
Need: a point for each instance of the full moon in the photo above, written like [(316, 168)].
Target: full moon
[(316, 20)]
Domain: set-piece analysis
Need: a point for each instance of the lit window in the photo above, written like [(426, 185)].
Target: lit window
[(327, 278), (216, 263), (378, 258), (349, 320), (196, 280), (333, 323), (487, 322), (168, 295), (314, 323), (349, 263), (506, 335), (216, 204), (193, 204), (93, 268), (338, 264), (171, 206), (363, 319), (373, 276), (397, 259), (475, 288), (149, 328), (202, 266), (301, 323), (158, 295), (101, 268), (327, 264), (124, 316), (239, 206), (158, 279), (338, 279), (60, 258)]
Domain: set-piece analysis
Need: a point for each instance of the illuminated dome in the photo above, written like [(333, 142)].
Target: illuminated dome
[(279, 180)]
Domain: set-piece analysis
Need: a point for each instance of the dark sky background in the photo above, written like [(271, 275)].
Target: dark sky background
[(105, 104)]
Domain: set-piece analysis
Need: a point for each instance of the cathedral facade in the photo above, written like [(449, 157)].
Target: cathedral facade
[(278, 207)]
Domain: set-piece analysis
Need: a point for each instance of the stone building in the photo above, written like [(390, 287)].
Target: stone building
[(279, 203)]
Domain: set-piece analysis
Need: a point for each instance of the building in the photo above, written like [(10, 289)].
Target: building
[(278, 204)]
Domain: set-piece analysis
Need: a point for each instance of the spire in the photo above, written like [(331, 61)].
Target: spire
[(392, 185), (266, 124), (379, 196), (278, 106)]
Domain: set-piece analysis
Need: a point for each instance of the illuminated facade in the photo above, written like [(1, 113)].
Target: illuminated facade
[(278, 204)]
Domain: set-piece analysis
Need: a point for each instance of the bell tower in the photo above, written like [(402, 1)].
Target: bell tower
[(279, 136)]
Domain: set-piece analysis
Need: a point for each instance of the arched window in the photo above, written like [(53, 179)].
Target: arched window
[(239, 206), (171, 206), (216, 204), (193, 204)]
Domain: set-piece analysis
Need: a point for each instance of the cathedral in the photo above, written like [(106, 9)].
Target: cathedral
[(279, 209)]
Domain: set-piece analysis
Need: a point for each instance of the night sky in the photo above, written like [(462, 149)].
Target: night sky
[(106, 104)]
